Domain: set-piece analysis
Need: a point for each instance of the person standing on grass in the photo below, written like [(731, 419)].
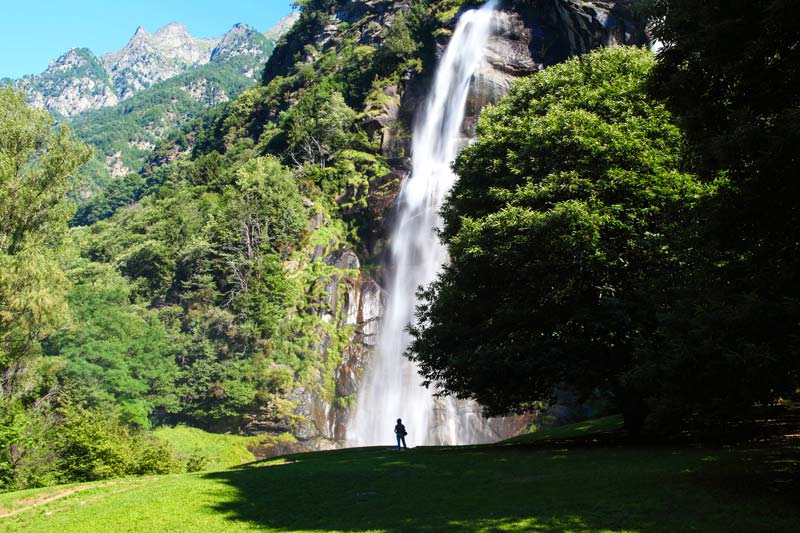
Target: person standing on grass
[(400, 432)]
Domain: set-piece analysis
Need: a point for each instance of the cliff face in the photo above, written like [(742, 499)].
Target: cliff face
[(73, 83), (528, 35)]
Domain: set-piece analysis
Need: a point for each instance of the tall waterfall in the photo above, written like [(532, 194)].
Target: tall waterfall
[(391, 387)]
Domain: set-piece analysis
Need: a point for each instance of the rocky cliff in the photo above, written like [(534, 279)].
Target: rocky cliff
[(73, 83), (528, 36)]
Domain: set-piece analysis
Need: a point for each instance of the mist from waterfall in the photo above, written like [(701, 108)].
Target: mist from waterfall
[(391, 387)]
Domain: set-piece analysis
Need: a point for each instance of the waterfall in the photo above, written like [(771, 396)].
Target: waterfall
[(391, 387)]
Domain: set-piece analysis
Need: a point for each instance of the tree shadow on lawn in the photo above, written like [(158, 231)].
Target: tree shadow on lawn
[(500, 489)]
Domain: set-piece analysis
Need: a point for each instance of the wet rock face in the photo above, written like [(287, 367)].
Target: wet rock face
[(561, 29), (352, 300), (532, 34), (507, 58)]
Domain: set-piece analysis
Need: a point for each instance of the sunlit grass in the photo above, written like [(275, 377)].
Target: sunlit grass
[(589, 427), (214, 451)]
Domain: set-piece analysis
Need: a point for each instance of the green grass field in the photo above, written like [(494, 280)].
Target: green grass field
[(216, 452), (544, 484)]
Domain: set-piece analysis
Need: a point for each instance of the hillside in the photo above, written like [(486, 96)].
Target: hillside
[(584, 481), (124, 103), (124, 135)]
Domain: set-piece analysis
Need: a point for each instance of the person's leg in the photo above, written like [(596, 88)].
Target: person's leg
[(398, 440), (404, 442)]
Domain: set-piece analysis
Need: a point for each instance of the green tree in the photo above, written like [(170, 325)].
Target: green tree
[(37, 163), (730, 71), (113, 349), (569, 202), (265, 214), (319, 125)]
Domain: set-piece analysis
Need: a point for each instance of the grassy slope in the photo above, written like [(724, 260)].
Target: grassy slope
[(534, 486), (596, 427), (218, 451)]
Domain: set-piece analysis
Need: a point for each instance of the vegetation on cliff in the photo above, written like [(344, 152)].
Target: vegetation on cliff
[(212, 294)]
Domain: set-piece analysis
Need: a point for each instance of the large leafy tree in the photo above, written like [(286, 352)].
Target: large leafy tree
[(730, 70), (570, 202), (37, 163)]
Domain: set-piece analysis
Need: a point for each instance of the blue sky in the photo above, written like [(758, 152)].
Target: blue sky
[(34, 32)]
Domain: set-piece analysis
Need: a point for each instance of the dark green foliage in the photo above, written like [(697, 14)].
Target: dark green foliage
[(118, 193), (209, 253), (729, 71), (320, 125), (566, 205), (410, 37), (114, 349), (314, 16)]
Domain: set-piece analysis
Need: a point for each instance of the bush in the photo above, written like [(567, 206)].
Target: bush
[(94, 445)]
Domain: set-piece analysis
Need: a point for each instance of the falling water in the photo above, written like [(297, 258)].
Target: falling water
[(391, 387)]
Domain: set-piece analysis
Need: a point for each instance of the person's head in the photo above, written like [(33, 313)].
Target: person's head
[(399, 421)]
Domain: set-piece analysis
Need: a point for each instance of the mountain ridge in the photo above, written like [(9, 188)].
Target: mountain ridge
[(78, 80)]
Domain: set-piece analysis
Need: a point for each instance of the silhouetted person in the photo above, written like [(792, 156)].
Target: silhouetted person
[(400, 431)]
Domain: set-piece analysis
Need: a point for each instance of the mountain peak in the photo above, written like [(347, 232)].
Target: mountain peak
[(241, 40), (239, 29), (141, 34), (283, 25), (173, 28)]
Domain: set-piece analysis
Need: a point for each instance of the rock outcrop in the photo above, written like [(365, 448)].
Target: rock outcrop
[(73, 83)]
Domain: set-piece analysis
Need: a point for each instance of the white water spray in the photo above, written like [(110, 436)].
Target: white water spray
[(391, 387)]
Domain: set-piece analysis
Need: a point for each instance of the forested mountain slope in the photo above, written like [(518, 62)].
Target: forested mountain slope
[(235, 283), (125, 102)]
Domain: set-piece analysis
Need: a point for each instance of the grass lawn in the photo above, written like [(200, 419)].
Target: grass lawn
[(597, 427), (544, 485), (217, 451)]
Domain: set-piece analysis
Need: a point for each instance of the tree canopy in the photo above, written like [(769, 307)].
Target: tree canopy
[(572, 201)]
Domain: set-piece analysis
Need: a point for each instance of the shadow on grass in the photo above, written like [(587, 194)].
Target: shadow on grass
[(501, 489)]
